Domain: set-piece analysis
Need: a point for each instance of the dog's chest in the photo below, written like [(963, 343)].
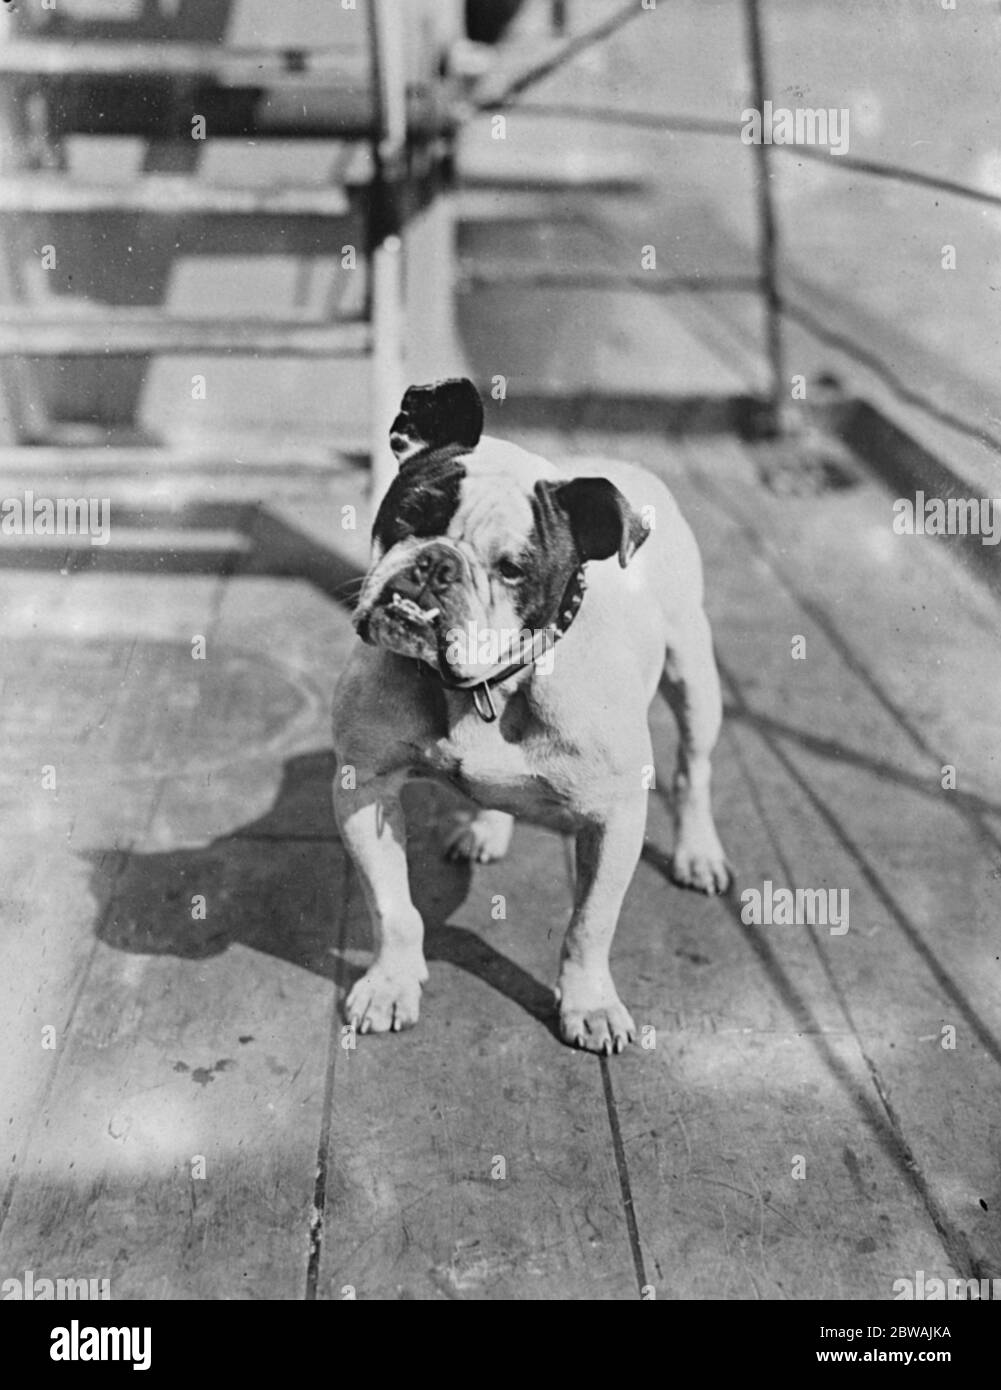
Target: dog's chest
[(510, 774)]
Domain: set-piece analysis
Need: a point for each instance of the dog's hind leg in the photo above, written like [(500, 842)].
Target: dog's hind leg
[(691, 684), (591, 1014)]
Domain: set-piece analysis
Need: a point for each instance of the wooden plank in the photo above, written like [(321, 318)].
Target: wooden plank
[(253, 67), (159, 539), (490, 185), (873, 816), (420, 1119), (39, 332), (61, 847), (150, 110), (474, 276), (294, 456), (166, 195), (751, 1063), (752, 1068), (74, 654), (925, 687), (205, 1037), (297, 580), (900, 989), (198, 1037), (213, 1049), (46, 947)]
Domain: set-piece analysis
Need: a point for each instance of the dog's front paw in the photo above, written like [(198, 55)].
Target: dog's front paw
[(704, 869), (481, 837), (594, 1018), (385, 1000)]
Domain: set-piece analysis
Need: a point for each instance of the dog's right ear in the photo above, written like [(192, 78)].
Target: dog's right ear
[(435, 416), (600, 519)]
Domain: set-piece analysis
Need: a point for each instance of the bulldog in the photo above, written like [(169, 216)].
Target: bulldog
[(515, 624)]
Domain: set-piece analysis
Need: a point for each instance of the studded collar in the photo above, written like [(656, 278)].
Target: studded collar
[(481, 687)]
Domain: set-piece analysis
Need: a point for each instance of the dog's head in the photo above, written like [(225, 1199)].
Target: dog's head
[(475, 534)]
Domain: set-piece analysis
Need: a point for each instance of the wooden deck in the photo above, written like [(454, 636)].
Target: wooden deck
[(179, 926), (328, 1170)]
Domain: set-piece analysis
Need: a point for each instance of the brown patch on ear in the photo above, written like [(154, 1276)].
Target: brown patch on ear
[(435, 416), (601, 520)]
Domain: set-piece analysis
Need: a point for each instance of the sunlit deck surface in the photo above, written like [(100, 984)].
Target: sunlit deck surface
[(778, 1049)]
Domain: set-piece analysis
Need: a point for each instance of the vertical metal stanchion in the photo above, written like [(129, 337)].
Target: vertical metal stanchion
[(768, 224), (6, 163), (20, 397), (431, 347), (387, 357), (386, 289)]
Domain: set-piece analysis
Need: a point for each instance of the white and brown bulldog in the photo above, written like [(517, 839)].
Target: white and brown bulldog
[(490, 662)]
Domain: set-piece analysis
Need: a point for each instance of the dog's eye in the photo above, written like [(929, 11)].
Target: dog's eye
[(509, 570)]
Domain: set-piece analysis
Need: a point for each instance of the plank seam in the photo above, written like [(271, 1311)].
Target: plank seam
[(11, 1186), (318, 1213), (974, 819), (954, 1242), (622, 1169), (612, 1111)]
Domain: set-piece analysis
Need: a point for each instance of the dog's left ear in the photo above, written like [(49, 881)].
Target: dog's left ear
[(601, 520), (437, 415)]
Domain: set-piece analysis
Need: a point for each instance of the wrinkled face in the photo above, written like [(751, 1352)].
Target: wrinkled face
[(476, 537)]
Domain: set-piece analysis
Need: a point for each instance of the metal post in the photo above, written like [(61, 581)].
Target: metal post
[(20, 400), (385, 243), (768, 224), (388, 382)]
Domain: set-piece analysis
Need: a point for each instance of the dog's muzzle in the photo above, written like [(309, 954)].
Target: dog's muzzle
[(418, 592)]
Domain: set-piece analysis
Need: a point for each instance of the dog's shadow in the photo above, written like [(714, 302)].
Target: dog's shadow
[(283, 885)]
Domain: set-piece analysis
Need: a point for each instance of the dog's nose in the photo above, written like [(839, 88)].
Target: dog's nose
[(436, 568)]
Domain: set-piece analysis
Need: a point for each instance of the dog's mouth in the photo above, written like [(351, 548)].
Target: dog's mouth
[(408, 610), (403, 625)]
